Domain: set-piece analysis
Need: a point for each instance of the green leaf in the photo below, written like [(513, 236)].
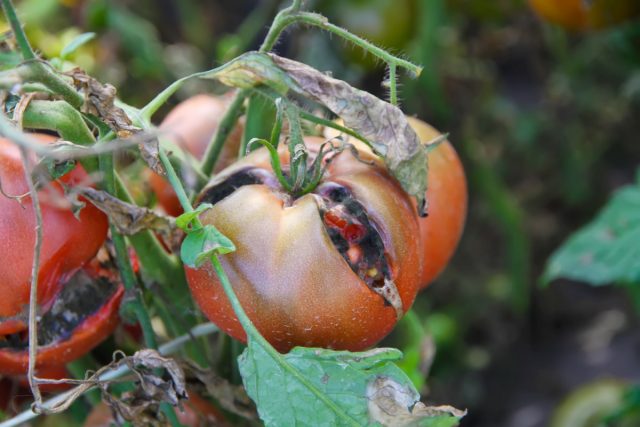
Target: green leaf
[(58, 168), (318, 387), (605, 251), (76, 43), (184, 221), (201, 243)]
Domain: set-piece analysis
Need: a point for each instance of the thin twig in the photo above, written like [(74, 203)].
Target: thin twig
[(33, 297)]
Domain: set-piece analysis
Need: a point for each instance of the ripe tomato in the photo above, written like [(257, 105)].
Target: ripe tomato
[(191, 125), (585, 15), (68, 242), (85, 312), (447, 196), (441, 230), (334, 268)]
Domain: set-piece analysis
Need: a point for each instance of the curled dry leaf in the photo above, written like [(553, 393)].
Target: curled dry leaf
[(382, 124), (131, 219), (99, 100), (141, 406), (394, 404)]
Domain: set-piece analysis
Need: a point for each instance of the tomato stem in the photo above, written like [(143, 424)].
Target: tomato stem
[(23, 43), (393, 84), (231, 116)]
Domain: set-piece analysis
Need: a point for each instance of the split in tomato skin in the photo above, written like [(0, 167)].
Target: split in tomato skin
[(68, 242), (441, 229), (84, 313), (296, 285)]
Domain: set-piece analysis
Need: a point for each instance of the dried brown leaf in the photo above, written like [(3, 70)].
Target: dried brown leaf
[(394, 404), (99, 100), (141, 406), (131, 219)]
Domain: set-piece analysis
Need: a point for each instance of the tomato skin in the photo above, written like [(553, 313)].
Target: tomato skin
[(291, 280), (68, 243), (190, 126), (578, 15), (441, 230)]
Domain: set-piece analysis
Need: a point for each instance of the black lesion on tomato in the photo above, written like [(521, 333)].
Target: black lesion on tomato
[(81, 297), (227, 187), (353, 234)]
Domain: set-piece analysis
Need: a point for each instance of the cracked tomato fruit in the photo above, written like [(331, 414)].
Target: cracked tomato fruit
[(190, 126), (334, 268), (74, 316)]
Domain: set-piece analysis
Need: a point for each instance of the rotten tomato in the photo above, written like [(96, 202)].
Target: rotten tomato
[(77, 301), (334, 268)]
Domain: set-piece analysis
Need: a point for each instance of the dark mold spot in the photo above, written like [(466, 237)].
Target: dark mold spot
[(81, 297)]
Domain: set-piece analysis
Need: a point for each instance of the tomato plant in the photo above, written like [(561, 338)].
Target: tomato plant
[(584, 15), (191, 125), (334, 268)]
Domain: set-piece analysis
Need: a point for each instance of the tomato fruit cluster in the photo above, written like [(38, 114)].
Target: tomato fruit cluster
[(77, 298)]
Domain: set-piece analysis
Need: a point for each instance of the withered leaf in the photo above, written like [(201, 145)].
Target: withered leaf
[(150, 152), (144, 363), (394, 404), (383, 124), (99, 100), (141, 405), (131, 219)]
